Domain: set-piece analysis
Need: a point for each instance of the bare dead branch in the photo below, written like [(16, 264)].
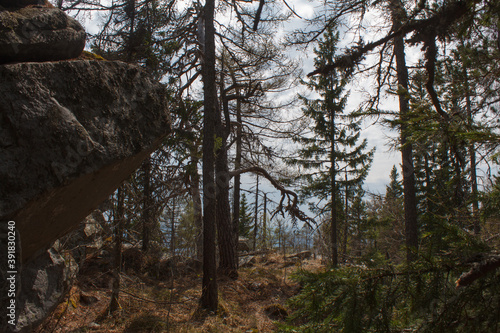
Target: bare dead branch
[(292, 198), (430, 56), (258, 14), (294, 12)]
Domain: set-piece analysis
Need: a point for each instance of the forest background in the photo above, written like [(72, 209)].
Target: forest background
[(427, 71)]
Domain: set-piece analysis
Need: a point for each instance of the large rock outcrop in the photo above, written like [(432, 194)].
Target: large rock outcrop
[(45, 281), (70, 133), (43, 285), (22, 3), (39, 34)]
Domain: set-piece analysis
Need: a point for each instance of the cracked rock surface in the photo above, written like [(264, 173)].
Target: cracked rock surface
[(70, 133), (39, 34)]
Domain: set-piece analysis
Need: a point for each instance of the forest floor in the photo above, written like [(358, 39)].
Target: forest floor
[(255, 302)]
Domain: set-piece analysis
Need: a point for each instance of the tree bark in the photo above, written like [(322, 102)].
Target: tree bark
[(472, 156), (194, 191), (119, 216), (225, 234), (146, 205), (172, 230), (346, 219), (410, 201), (264, 224), (237, 178), (280, 241), (256, 212), (227, 246), (475, 203), (333, 196), (333, 189), (131, 13), (209, 298)]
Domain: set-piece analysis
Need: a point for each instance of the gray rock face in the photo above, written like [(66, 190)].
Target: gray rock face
[(247, 261), (301, 255), (244, 244), (45, 280), (20, 3), (44, 283), (39, 34), (70, 133), (86, 240)]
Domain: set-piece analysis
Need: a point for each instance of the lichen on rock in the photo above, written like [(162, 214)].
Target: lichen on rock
[(70, 133), (39, 34)]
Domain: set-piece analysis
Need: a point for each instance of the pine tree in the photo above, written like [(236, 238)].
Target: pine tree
[(359, 227), (209, 299), (394, 190), (137, 34), (333, 145), (245, 220)]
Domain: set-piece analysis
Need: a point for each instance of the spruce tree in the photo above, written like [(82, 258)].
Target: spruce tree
[(394, 190), (332, 148), (245, 218)]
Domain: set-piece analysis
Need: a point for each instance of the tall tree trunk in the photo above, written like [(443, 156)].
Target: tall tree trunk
[(475, 202), (410, 201), (237, 178), (194, 191), (427, 170), (146, 205), (333, 193), (256, 220), (472, 157), (264, 223), (225, 234), (172, 230), (227, 246), (209, 299), (359, 237), (333, 208), (280, 238), (346, 219), (131, 13), (119, 216)]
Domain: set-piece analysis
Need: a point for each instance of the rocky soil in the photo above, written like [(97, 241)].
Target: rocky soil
[(255, 302)]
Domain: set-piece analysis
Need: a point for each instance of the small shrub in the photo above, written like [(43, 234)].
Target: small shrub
[(147, 323), (420, 297), (276, 312)]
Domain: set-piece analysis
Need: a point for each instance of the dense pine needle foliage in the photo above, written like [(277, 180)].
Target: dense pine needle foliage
[(421, 297)]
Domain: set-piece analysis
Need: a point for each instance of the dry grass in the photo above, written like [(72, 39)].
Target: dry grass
[(149, 305)]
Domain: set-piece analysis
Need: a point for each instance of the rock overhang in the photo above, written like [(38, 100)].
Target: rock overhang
[(70, 133)]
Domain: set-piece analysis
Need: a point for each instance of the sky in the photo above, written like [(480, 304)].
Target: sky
[(377, 136)]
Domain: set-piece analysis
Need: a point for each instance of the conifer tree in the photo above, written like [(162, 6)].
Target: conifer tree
[(133, 31), (359, 226), (245, 218), (333, 144), (394, 190)]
